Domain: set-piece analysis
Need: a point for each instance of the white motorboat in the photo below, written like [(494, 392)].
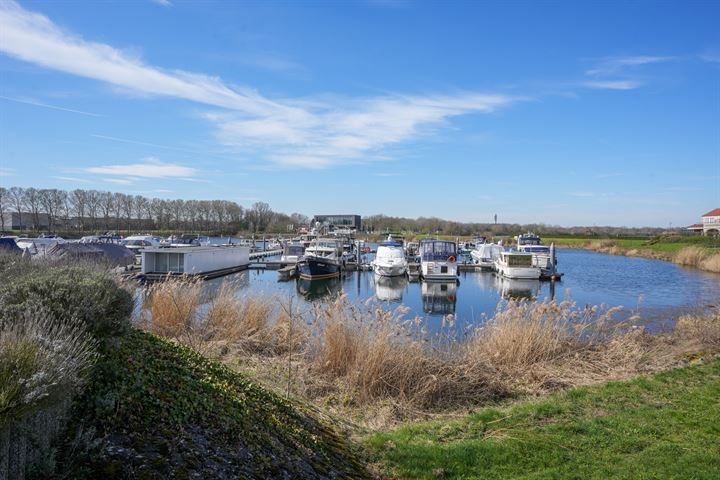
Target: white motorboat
[(138, 243), (514, 264), (543, 255), (485, 254), (390, 260), (438, 259), (39, 244)]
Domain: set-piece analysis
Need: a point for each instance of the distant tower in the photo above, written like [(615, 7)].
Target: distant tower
[(496, 219)]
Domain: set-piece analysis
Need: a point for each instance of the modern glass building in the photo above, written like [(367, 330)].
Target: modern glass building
[(339, 221)]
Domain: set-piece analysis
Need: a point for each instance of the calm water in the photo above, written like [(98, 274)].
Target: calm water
[(654, 289)]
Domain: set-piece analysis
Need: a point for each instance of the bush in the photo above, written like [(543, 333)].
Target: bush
[(41, 360), (91, 297)]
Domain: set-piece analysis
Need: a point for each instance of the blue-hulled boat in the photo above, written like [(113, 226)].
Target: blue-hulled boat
[(322, 259)]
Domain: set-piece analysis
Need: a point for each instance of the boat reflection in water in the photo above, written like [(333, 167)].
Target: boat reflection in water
[(317, 289), (390, 288), (518, 289), (439, 297)]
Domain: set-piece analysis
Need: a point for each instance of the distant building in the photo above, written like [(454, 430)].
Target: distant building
[(710, 223), (25, 220), (334, 222)]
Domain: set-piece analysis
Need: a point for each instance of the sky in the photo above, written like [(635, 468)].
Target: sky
[(564, 113)]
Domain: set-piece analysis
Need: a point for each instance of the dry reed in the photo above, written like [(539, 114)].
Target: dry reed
[(358, 357)]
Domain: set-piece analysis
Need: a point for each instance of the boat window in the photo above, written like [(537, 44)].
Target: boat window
[(519, 260)]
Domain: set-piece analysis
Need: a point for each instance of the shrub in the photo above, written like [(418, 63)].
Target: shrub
[(41, 360), (91, 297)]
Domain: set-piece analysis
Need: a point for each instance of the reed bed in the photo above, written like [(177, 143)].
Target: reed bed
[(358, 358)]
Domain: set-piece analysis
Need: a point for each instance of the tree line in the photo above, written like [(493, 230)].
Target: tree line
[(93, 210)]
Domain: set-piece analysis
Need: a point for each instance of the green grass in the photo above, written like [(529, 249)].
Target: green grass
[(179, 414), (660, 244), (665, 426)]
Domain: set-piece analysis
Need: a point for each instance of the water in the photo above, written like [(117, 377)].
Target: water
[(655, 290)]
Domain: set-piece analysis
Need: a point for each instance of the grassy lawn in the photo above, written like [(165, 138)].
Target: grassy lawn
[(661, 245), (664, 426)]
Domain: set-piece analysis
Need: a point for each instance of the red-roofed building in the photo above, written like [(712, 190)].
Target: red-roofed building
[(710, 223)]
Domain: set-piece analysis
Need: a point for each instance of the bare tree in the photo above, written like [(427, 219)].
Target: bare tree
[(32, 200), (4, 205), (93, 206), (260, 216), (105, 204), (78, 203)]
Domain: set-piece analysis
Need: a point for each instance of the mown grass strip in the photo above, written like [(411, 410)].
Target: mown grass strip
[(664, 426)]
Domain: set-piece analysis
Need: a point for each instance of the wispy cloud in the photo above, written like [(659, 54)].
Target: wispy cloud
[(296, 133), (619, 73), (6, 172), (72, 179), (615, 65), (613, 84), (35, 103), (151, 168), (710, 57), (120, 181), (386, 174), (164, 3)]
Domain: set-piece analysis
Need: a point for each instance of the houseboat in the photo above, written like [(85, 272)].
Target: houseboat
[(514, 264), (438, 259), (206, 262), (322, 259), (390, 260), (485, 254)]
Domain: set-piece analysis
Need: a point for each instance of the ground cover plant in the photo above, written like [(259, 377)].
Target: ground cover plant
[(662, 426)]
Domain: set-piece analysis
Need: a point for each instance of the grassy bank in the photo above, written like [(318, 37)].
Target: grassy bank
[(693, 251), (663, 426)]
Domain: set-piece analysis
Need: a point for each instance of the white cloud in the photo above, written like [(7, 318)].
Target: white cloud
[(164, 3), (152, 168), (34, 38), (72, 179), (614, 65), (293, 133), (613, 84), (119, 181)]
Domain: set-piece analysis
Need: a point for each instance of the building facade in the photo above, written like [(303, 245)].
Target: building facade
[(711, 222), (334, 222), (25, 220)]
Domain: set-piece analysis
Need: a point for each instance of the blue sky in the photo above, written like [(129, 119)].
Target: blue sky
[(570, 113)]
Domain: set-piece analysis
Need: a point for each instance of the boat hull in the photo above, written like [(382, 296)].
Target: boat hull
[(439, 271), (318, 268), (390, 270), (531, 273)]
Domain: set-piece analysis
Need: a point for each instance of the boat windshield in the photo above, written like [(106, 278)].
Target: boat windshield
[(390, 252), (294, 250), (537, 249), (437, 250)]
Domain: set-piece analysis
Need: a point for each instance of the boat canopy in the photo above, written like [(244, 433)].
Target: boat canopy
[(437, 249), (391, 244)]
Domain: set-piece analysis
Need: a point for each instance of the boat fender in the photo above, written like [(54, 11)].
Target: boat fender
[(451, 259)]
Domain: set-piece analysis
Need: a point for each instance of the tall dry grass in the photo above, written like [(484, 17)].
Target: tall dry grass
[(360, 356), (711, 263), (698, 257)]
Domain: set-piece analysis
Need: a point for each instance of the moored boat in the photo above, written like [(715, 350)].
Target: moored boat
[(543, 255), (514, 264), (485, 254), (292, 253), (322, 259), (438, 259), (390, 260)]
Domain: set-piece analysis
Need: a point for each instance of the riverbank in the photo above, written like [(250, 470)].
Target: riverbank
[(377, 368), (699, 252), (661, 426)]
